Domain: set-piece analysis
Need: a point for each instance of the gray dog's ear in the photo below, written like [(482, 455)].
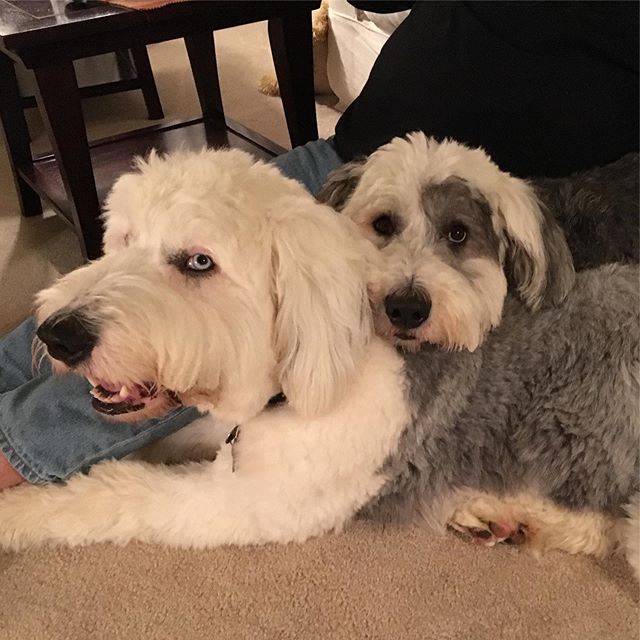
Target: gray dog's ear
[(340, 184), (538, 259)]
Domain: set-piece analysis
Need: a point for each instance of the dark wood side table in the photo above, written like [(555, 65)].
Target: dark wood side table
[(75, 179)]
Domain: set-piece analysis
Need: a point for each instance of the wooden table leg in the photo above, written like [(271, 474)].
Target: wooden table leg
[(202, 57), (59, 103), (292, 50), (16, 135), (147, 82)]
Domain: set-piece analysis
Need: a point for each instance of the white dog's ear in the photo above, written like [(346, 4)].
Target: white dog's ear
[(340, 184), (116, 213), (538, 259), (323, 317)]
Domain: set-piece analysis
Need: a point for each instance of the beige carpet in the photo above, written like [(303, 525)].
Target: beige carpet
[(366, 583)]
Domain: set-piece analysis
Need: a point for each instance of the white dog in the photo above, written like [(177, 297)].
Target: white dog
[(224, 284)]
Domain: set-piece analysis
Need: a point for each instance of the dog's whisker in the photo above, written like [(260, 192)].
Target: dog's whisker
[(38, 354)]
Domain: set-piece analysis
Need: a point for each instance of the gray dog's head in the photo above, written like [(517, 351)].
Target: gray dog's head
[(453, 231)]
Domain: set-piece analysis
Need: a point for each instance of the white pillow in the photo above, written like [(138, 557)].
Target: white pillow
[(355, 40)]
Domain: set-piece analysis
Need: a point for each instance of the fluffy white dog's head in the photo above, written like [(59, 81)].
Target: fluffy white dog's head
[(222, 283), (452, 229)]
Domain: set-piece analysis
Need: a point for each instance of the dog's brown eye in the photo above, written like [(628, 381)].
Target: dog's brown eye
[(384, 225), (457, 234)]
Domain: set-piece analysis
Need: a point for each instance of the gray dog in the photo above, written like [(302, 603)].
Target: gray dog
[(545, 413)]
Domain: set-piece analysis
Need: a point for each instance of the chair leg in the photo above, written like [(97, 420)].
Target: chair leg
[(16, 136), (292, 50), (59, 103), (202, 57), (147, 82)]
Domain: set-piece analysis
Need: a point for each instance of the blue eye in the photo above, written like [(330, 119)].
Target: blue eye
[(192, 265), (200, 262)]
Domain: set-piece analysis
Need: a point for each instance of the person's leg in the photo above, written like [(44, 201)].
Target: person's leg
[(310, 164), (9, 477), (48, 429), (16, 365), (16, 368)]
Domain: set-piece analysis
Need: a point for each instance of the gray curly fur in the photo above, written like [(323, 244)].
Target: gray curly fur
[(598, 211), (548, 403)]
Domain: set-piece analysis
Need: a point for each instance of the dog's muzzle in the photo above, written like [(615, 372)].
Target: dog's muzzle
[(71, 338)]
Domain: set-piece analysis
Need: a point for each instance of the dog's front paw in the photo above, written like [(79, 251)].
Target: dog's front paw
[(483, 522), (488, 534)]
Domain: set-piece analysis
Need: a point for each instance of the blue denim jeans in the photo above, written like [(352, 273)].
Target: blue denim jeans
[(48, 429)]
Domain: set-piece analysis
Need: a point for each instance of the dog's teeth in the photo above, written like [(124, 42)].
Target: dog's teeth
[(124, 392), (92, 382), (96, 393)]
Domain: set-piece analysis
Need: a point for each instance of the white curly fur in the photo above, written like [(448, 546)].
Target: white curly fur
[(285, 308)]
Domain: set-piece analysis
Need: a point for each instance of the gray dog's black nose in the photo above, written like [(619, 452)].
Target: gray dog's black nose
[(407, 310), (69, 339)]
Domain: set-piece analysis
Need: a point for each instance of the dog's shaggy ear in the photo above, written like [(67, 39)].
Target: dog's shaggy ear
[(116, 211), (340, 184), (538, 260), (126, 198), (323, 317)]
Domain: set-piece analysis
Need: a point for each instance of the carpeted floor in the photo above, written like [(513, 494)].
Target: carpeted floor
[(368, 582)]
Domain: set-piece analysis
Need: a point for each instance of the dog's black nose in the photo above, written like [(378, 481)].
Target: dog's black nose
[(69, 338), (407, 310)]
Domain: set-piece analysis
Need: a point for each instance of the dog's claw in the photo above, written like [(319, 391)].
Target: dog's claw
[(517, 538), (495, 533)]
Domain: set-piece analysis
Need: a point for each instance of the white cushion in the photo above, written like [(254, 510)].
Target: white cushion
[(355, 40)]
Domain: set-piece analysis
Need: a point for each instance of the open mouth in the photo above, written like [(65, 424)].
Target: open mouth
[(116, 400)]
